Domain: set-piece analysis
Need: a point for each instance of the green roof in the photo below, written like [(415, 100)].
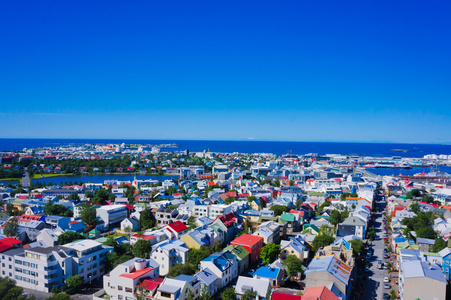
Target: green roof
[(311, 226), (102, 239), (287, 217), (316, 194), (238, 250), (95, 230)]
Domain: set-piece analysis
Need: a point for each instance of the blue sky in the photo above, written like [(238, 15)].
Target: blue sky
[(232, 70)]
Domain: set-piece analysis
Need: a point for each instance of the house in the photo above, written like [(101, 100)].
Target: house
[(297, 246), (132, 223), (352, 226), (178, 288), (223, 264), (198, 238), (421, 280), (122, 281), (169, 253), (9, 243), (274, 275), (445, 254), (175, 230), (277, 295), (269, 231), (149, 287), (319, 292), (253, 244), (112, 215), (209, 280), (148, 237), (259, 285), (242, 256), (327, 270), (425, 244)]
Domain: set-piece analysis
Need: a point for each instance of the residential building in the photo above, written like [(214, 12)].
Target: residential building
[(253, 244), (223, 264), (112, 215), (169, 253), (259, 285)]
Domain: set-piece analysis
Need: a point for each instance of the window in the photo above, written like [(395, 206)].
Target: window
[(119, 297), (18, 277), (166, 295), (128, 290), (19, 270), (26, 279), (19, 262), (119, 288)]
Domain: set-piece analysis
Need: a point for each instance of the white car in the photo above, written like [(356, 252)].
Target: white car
[(386, 279)]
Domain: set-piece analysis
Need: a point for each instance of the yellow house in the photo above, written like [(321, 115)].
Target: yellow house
[(197, 239)]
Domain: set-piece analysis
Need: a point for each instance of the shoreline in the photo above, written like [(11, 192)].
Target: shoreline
[(84, 174)]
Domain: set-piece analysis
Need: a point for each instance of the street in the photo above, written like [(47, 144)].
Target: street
[(374, 284)]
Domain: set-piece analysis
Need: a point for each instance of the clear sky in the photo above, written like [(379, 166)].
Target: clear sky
[(231, 70)]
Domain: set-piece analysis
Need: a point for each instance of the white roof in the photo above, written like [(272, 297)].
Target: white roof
[(82, 245)]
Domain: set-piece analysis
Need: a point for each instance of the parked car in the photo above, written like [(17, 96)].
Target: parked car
[(386, 285), (386, 279), (386, 296)]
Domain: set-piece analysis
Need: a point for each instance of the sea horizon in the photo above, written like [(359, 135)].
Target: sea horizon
[(250, 146)]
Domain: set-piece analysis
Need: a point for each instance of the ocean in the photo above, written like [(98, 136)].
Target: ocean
[(279, 148)]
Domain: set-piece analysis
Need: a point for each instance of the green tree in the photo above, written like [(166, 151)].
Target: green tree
[(88, 214), (371, 234), (69, 237), (321, 241), (11, 228), (357, 246), (393, 295), (9, 290), (428, 199), (229, 294), (293, 265), (196, 255), (179, 269), (73, 196), (269, 253), (251, 198), (426, 232), (147, 219), (335, 218), (439, 245), (59, 297), (142, 248), (249, 295), (205, 294), (298, 203), (276, 182), (279, 209), (415, 208), (73, 284), (192, 222)]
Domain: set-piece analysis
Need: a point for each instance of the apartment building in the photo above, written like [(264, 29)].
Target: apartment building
[(112, 215), (169, 253)]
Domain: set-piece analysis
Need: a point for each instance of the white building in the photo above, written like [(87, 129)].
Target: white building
[(121, 282), (169, 253), (112, 214), (224, 265)]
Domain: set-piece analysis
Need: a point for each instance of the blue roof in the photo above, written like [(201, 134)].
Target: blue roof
[(400, 240), (267, 272), (185, 278)]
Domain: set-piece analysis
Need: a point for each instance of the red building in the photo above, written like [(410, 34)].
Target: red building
[(253, 244)]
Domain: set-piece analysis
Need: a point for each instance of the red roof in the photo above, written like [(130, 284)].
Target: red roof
[(299, 212), (283, 296), (319, 292), (247, 240), (152, 284), (178, 226), (7, 243), (228, 220), (28, 218), (137, 274), (144, 236), (22, 197)]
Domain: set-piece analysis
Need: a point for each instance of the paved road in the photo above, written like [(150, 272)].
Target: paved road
[(374, 285), (26, 179)]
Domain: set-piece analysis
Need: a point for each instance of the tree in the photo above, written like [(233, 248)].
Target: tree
[(298, 202), (73, 284), (371, 234), (415, 208), (12, 228), (179, 269), (196, 255), (335, 217), (428, 199), (439, 245), (147, 219), (73, 196), (9, 290), (69, 237), (228, 294), (276, 183), (59, 297), (251, 198), (357, 246), (426, 232), (321, 241), (293, 264), (269, 253), (142, 248), (279, 209), (249, 295), (205, 294), (392, 295), (88, 214), (192, 222), (89, 194)]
